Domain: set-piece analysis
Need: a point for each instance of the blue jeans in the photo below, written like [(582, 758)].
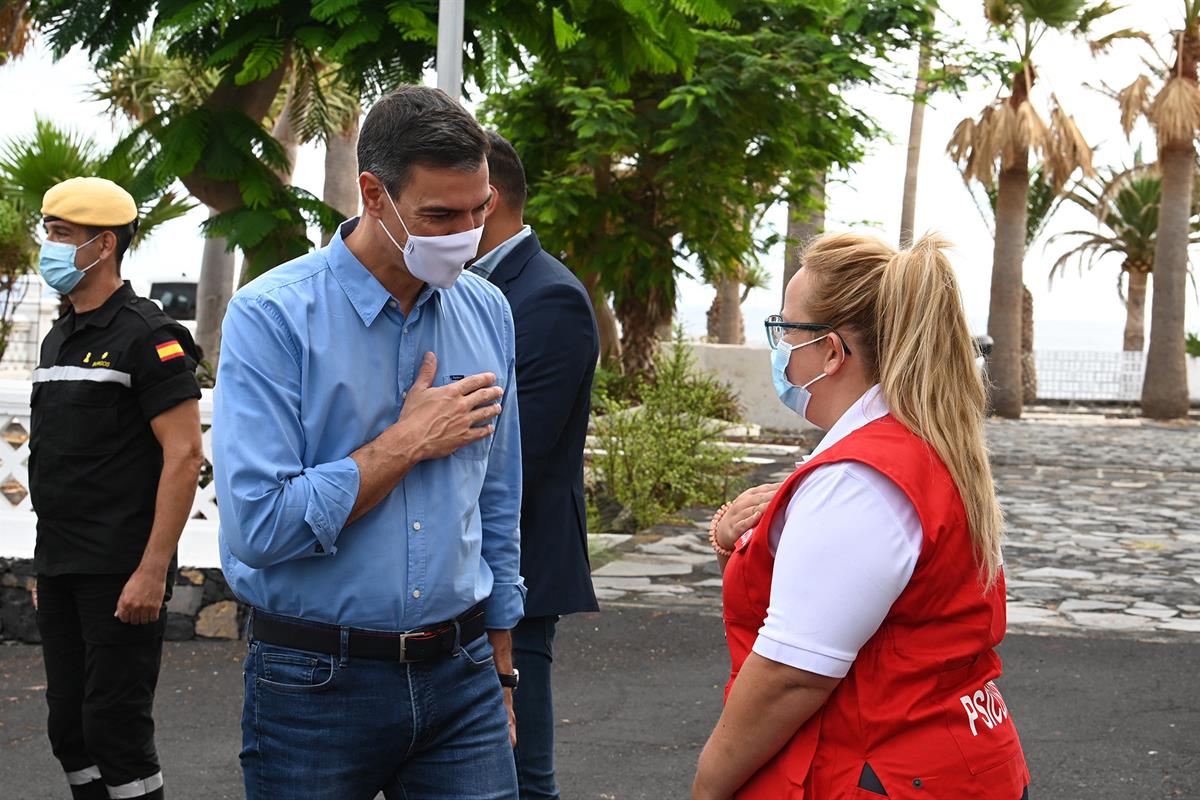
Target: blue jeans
[(320, 727), (533, 703)]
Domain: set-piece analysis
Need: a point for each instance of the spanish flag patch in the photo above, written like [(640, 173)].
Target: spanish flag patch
[(168, 350)]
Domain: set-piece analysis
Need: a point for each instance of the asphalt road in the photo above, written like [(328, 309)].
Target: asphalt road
[(639, 689)]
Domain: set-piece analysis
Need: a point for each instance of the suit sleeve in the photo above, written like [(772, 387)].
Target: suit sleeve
[(557, 347)]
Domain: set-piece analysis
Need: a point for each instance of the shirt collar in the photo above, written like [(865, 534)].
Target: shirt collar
[(365, 292), (486, 264), (102, 317), (866, 409)]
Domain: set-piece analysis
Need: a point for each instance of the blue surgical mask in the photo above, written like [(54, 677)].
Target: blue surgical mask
[(56, 263), (794, 397)]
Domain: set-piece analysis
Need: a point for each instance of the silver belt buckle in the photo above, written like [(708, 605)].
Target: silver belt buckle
[(404, 648)]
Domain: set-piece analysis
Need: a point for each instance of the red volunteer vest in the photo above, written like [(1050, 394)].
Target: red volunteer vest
[(919, 704)]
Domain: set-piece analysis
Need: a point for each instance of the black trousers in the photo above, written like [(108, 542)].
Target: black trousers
[(100, 679), (533, 703)]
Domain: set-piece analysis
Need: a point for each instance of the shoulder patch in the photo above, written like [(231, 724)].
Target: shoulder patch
[(169, 350)]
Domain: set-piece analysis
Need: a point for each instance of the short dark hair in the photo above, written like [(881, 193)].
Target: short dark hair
[(124, 234), (506, 171), (418, 125)]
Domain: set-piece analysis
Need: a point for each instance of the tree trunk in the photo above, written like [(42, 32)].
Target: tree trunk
[(253, 100), (285, 133), (212, 296), (606, 322), (641, 322), (1028, 363), (341, 173), (1004, 311), (916, 126), (725, 323), (802, 227), (1135, 311), (1165, 391)]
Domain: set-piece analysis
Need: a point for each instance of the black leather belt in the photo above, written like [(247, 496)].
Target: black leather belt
[(425, 644)]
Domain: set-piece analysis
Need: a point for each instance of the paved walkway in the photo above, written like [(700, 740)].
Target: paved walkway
[(1103, 529)]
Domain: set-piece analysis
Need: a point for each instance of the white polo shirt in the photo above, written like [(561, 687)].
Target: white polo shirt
[(845, 548)]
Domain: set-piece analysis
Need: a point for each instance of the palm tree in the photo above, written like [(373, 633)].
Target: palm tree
[(916, 127), (1001, 140), (310, 105), (1126, 205), (1043, 201), (14, 29), (1174, 114), (727, 326), (803, 225), (30, 165)]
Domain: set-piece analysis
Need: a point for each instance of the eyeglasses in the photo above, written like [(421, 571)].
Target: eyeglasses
[(777, 329)]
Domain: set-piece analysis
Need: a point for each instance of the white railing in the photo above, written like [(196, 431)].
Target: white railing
[(18, 523), (1098, 375)]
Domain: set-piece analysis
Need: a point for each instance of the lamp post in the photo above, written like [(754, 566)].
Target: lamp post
[(450, 46)]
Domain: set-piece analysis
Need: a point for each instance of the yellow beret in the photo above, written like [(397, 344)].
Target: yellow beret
[(89, 201)]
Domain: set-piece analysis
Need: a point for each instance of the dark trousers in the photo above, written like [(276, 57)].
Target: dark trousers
[(100, 679), (533, 703)]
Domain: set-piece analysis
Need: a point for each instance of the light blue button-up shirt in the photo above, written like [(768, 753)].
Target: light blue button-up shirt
[(486, 264), (316, 361)]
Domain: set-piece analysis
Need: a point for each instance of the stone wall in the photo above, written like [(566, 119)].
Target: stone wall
[(201, 605)]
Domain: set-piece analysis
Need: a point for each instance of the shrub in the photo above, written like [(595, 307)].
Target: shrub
[(674, 367), (1193, 345), (17, 255), (662, 456)]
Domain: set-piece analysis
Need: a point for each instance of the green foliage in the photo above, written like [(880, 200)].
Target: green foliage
[(630, 178), (720, 401), (30, 165), (17, 253), (16, 245), (209, 131), (661, 455), (1125, 204), (1192, 343)]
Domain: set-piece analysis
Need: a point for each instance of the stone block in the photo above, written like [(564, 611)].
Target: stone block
[(192, 576), (186, 600), (179, 628), (18, 620), (218, 621)]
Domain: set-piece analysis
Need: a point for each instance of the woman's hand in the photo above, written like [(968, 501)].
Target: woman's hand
[(744, 513)]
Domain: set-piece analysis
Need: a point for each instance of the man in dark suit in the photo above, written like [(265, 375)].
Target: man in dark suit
[(557, 349)]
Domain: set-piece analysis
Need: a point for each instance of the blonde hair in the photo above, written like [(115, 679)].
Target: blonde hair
[(907, 314)]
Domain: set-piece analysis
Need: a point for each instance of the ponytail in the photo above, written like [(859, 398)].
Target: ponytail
[(931, 382), (907, 311)]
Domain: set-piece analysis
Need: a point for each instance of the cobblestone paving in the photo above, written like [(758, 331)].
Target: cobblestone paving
[(1103, 529)]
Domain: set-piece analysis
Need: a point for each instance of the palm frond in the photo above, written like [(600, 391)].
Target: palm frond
[(1068, 150), (165, 209), (1103, 44), (1175, 112), (1134, 101), (30, 165)]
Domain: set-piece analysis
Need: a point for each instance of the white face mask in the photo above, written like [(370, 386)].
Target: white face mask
[(437, 260)]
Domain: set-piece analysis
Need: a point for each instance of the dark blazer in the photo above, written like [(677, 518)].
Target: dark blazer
[(557, 349)]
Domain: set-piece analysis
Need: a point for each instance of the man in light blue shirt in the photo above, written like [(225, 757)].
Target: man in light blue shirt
[(368, 469)]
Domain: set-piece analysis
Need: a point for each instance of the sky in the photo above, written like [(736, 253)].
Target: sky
[(1077, 312)]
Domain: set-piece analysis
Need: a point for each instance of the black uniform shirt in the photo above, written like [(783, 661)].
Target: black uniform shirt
[(94, 461)]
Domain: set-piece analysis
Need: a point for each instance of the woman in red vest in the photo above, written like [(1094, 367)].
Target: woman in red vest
[(864, 597)]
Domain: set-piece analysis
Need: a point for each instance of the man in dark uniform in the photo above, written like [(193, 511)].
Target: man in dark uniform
[(115, 453), (557, 348)]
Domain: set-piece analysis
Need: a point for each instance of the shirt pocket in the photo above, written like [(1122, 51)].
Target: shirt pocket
[(478, 450), (89, 417)]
